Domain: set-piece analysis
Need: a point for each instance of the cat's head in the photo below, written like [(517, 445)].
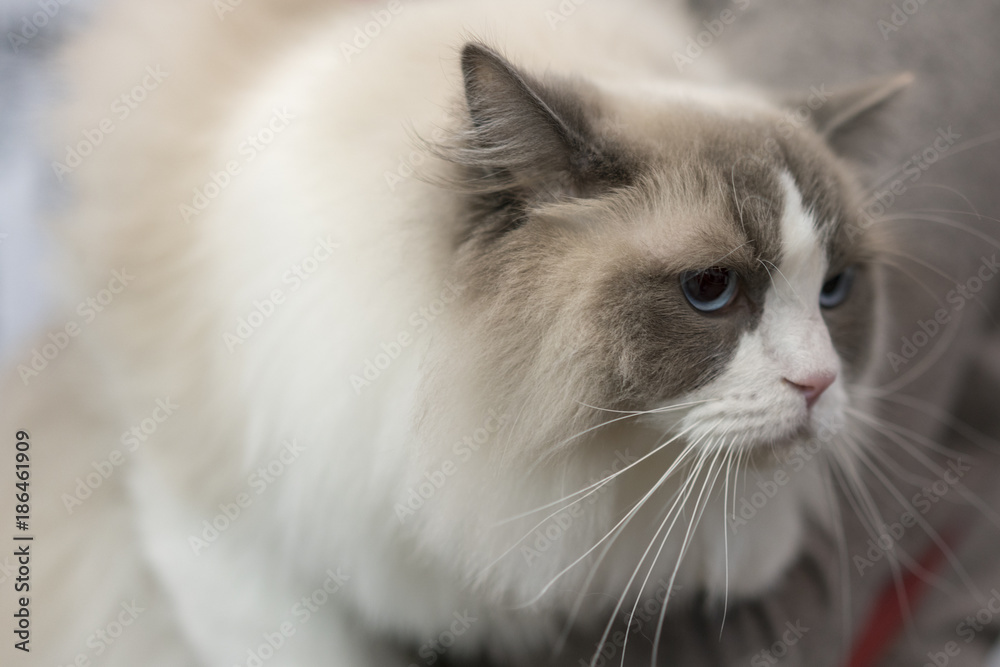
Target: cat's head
[(633, 247), (689, 253)]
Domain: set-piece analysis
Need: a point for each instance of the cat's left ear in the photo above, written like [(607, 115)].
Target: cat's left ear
[(840, 113), (528, 134)]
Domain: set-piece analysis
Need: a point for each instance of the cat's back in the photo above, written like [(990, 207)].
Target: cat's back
[(268, 154)]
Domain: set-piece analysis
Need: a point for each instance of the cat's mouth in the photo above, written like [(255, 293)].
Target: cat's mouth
[(774, 450), (751, 430)]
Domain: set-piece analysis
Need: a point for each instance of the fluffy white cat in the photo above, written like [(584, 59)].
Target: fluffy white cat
[(432, 328)]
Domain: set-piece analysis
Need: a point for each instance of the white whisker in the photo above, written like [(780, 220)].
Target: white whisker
[(682, 496), (624, 520), (695, 520)]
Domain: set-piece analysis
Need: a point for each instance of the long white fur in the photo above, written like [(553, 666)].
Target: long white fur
[(334, 507)]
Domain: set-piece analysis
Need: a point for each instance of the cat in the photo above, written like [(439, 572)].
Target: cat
[(454, 325)]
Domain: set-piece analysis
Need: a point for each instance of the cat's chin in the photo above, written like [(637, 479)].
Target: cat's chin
[(773, 454), (774, 451)]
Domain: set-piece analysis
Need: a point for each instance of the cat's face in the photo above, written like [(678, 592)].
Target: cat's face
[(685, 263), (642, 250)]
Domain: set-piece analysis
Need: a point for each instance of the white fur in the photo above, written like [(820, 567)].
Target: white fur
[(335, 506)]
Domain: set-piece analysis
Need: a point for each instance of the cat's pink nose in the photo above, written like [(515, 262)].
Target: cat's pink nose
[(813, 386)]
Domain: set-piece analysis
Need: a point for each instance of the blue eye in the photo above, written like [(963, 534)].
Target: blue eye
[(709, 290), (836, 290)]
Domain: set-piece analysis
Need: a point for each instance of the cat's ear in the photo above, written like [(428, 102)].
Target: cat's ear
[(839, 116), (530, 133)]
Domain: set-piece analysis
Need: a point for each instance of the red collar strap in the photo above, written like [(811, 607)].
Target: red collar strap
[(885, 622)]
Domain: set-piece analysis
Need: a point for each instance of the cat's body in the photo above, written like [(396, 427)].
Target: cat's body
[(362, 374)]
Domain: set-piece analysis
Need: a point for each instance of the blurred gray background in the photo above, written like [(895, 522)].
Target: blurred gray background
[(28, 190)]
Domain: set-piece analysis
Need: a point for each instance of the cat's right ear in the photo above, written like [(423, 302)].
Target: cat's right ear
[(527, 134), (844, 116)]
